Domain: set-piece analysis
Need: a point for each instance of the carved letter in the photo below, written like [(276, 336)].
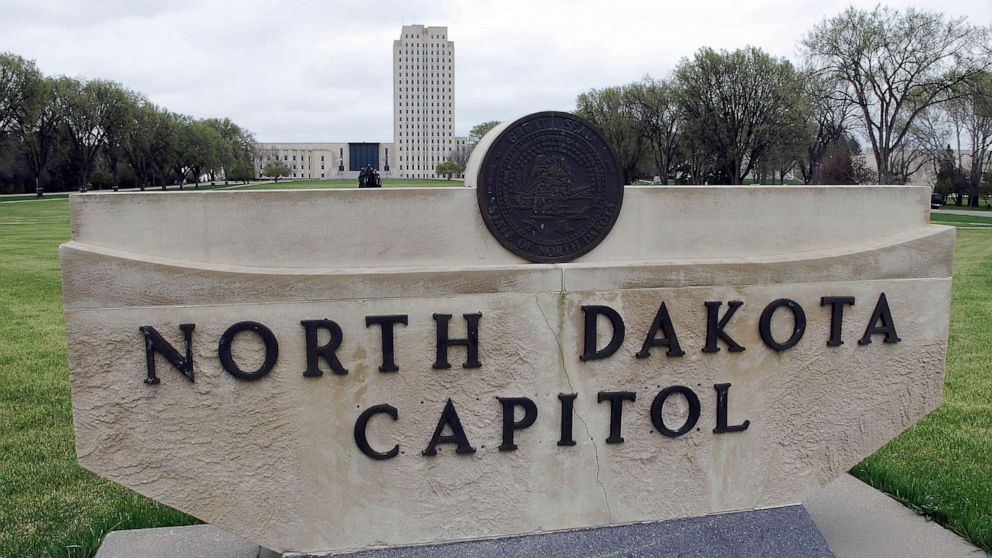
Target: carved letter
[(721, 412), (836, 317), (271, 350), (616, 399), (510, 424), (589, 351), (714, 328), (154, 342), (888, 327), (658, 405), (449, 418), (798, 329), (327, 351), (362, 423), (567, 405), (471, 342), (670, 340), (386, 324)]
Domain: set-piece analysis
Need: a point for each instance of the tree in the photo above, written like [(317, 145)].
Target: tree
[(116, 118), (826, 123), (448, 169), (460, 155), (20, 84), (240, 171), (81, 109), (613, 111), (237, 144), (893, 65), (844, 164), (970, 117), (275, 169), (656, 107), (735, 104), (200, 149), (38, 129), (480, 130)]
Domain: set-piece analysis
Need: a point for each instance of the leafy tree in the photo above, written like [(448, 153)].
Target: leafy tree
[(614, 112), (892, 65), (735, 104), (20, 84), (275, 169), (448, 169), (38, 129), (200, 149), (480, 130), (116, 118), (237, 144), (656, 107), (79, 104), (240, 171)]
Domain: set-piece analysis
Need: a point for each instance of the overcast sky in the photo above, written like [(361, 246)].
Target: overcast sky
[(313, 70)]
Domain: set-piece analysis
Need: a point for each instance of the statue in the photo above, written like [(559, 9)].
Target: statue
[(369, 178)]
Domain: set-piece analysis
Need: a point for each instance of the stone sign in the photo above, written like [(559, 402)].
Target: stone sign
[(344, 369)]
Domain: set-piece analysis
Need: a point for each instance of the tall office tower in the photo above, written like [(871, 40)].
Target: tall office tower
[(423, 100)]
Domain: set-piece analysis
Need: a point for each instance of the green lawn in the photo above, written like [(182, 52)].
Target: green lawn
[(51, 507), (942, 466), (962, 221)]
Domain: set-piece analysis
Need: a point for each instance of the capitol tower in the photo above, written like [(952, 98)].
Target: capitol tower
[(423, 101)]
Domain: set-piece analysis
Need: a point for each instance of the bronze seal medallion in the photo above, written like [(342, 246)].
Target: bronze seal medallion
[(549, 187)]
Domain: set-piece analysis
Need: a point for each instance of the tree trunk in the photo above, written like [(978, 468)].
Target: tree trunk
[(38, 190)]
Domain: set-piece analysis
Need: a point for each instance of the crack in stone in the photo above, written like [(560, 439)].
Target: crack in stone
[(568, 379)]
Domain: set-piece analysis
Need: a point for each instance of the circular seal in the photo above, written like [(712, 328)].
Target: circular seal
[(549, 187)]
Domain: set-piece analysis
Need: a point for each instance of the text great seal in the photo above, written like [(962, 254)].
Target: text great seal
[(549, 187)]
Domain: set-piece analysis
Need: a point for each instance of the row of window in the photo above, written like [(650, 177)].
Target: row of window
[(432, 67), (412, 36)]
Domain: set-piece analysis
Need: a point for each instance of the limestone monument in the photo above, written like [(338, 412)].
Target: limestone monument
[(333, 370)]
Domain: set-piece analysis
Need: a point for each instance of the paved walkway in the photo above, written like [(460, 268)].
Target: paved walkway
[(856, 520)]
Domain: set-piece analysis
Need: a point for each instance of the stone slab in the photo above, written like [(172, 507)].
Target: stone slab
[(860, 522), (783, 532), (410, 227), (276, 459), (192, 541)]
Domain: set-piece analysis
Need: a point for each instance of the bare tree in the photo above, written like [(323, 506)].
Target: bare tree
[(827, 122), (893, 65)]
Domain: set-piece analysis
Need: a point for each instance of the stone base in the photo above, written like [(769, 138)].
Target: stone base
[(769, 533), (786, 532)]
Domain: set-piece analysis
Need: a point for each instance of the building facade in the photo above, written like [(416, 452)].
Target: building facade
[(423, 120), (327, 160), (423, 100)]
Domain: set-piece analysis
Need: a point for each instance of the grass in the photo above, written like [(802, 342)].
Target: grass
[(962, 221), (49, 506)]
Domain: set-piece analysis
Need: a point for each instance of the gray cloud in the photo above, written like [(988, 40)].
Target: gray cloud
[(315, 70)]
